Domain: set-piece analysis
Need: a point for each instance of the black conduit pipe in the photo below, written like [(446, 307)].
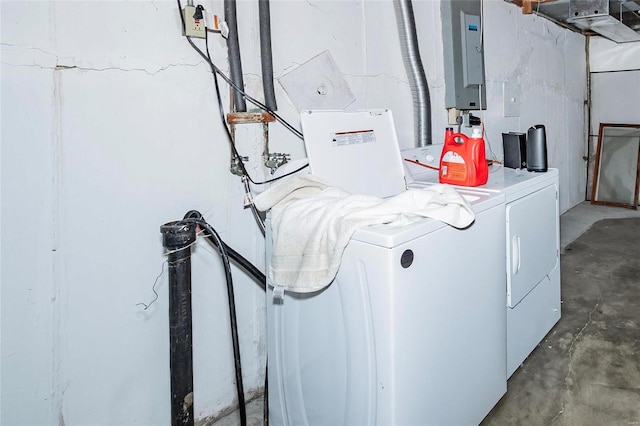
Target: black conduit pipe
[(233, 46), (266, 56), (177, 238)]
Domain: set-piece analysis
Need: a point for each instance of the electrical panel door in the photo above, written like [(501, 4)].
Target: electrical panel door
[(463, 55)]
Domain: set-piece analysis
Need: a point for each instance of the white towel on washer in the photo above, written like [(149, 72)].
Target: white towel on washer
[(312, 223)]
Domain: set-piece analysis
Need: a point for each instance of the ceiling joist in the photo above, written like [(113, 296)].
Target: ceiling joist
[(527, 5)]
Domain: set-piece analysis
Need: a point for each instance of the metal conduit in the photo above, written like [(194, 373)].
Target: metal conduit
[(415, 72)]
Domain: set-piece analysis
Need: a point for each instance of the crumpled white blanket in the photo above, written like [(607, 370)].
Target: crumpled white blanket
[(312, 224)]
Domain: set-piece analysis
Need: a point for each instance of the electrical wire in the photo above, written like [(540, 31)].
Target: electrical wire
[(248, 97), (481, 26), (480, 86), (245, 177), (234, 326), (421, 164), (486, 138), (217, 72), (254, 101), (197, 218), (191, 217), (254, 210), (214, 237), (153, 288), (236, 155)]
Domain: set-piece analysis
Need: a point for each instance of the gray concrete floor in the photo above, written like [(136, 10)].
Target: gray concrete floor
[(573, 223), (254, 416), (577, 220), (586, 371)]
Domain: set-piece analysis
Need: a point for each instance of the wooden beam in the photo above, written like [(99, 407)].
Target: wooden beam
[(527, 5)]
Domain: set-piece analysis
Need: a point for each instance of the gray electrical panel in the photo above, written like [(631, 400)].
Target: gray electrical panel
[(463, 54)]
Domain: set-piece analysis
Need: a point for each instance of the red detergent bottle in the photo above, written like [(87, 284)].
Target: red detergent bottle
[(463, 161)]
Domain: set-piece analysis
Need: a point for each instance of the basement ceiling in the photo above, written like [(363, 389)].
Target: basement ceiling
[(617, 20)]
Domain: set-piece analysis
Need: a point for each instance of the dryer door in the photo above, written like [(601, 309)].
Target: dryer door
[(532, 250)]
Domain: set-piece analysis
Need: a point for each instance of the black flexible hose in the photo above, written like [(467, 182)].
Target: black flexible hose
[(232, 313), (249, 267), (240, 260)]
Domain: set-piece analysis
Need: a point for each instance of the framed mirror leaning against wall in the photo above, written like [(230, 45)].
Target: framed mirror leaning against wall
[(617, 168)]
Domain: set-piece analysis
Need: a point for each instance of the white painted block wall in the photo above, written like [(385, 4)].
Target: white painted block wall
[(547, 63), (615, 88), (110, 129)]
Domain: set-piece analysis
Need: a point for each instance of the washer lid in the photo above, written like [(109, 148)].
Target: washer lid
[(357, 151)]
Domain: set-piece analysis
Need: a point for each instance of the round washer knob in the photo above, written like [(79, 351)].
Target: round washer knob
[(406, 259)]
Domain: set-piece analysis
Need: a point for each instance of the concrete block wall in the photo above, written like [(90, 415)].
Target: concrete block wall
[(110, 128)]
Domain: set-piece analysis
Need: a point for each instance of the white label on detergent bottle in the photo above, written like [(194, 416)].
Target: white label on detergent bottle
[(453, 166), (452, 157)]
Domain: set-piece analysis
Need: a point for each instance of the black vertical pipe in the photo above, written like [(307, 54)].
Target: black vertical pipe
[(266, 56), (233, 46), (177, 238)]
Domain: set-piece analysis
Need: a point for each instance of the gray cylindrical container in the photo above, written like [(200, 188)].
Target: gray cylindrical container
[(537, 149)]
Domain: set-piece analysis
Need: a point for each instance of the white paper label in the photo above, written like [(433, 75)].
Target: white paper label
[(353, 138)]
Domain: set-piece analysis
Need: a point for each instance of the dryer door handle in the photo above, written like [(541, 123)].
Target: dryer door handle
[(515, 254)]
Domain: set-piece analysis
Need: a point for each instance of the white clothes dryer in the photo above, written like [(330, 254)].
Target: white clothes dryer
[(532, 243)]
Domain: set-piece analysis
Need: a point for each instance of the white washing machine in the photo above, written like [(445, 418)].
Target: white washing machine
[(412, 331), (532, 246)]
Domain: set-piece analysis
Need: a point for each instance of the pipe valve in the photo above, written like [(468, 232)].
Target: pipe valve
[(273, 160)]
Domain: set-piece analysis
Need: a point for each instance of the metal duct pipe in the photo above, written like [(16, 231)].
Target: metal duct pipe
[(233, 46), (177, 238), (266, 55), (415, 72)]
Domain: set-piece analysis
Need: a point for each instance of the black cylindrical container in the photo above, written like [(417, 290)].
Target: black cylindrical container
[(537, 149), (177, 238)]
